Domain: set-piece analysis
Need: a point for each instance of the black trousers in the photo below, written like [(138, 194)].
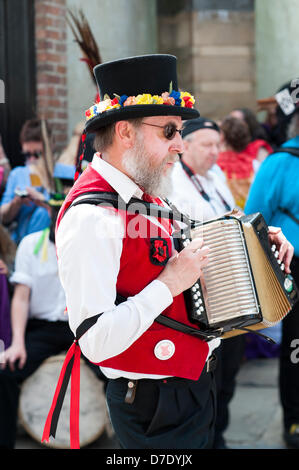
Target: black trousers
[(229, 358), (43, 339), (289, 365), (166, 414)]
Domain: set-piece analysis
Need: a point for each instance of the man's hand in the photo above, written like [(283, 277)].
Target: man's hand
[(286, 250), (12, 354), (183, 269)]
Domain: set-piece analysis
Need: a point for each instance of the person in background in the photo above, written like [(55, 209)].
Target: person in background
[(24, 202), (197, 189), (7, 258), (259, 145), (234, 160), (4, 168), (274, 193)]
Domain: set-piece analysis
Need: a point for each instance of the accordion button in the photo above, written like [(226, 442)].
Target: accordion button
[(278, 261), (193, 288), (273, 248), (196, 285), (276, 254), (282, 267), (164, 349), (196, 304), (195, 297)]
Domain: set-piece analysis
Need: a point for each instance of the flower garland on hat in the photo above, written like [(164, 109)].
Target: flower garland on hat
[(170, 98)]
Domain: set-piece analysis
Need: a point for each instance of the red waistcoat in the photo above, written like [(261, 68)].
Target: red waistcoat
[(142, 260)]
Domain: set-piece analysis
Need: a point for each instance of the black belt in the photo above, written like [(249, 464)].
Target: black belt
[(209, 366)]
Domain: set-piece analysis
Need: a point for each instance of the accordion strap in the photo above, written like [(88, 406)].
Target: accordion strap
[(189, 330), (97, 197)]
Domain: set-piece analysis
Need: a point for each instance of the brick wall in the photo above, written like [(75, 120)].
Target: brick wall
[(51, 59)]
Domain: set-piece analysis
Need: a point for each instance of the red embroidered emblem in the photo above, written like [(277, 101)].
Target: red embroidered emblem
[(159, 253)]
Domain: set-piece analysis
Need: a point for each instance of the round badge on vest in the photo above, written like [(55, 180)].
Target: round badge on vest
[(164, 349)]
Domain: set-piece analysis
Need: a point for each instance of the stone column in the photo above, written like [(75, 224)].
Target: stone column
[(276, 44), (214, 43)]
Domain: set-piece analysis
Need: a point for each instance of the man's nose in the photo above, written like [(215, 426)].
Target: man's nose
[(177, 144)]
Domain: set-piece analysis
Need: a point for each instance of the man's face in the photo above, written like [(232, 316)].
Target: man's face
[(201, 152), (33, 151), (151, 160)]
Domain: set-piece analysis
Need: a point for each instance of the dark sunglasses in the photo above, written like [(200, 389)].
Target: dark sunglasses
[(169, 130), (32, 154)]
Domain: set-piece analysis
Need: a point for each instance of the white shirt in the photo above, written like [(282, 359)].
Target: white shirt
[(47, 298), (89, 247), (188, 200)]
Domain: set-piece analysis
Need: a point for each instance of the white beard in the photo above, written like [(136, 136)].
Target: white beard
[(153, 179)]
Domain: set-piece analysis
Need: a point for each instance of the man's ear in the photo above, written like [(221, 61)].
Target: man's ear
[(125, 133)]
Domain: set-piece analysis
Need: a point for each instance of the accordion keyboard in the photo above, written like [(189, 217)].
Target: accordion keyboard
[(227, 284)]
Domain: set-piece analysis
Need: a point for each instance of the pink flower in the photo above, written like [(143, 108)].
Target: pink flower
[(130, 101)]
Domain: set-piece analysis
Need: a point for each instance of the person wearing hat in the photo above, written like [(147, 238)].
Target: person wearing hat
[(198, 188), (274, 193), (120, 270)]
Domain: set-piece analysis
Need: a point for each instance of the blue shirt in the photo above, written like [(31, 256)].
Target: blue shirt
[(276, 185), (30, 218)]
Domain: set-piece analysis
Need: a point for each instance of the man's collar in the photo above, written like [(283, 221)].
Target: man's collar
[(120, 182)]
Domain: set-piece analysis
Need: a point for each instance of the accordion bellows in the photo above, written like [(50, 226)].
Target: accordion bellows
[(244, 283)]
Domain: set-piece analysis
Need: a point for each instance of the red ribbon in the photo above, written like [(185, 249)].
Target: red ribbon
[(70, 368)]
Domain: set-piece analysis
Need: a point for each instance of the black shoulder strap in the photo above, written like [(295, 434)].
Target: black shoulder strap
[(292, 150), (287, 212), (135, 205)]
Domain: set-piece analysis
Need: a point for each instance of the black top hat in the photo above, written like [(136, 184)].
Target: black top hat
[(137, 87)]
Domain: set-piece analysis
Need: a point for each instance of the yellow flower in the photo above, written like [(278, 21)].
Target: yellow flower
[(144, 99), (113, 106), (157, 99)]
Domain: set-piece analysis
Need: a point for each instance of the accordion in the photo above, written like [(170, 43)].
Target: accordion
[(244, 286)]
